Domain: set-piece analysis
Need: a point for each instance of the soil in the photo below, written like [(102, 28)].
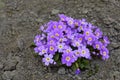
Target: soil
[(20, 21)]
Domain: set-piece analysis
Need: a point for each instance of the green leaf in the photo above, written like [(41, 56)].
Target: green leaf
[(35, 55), (56, 57), (33, 45), (73, 67), (79, 60), (59, 62), (84, 64)]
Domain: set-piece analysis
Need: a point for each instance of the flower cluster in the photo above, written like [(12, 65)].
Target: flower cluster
[(71, 39)]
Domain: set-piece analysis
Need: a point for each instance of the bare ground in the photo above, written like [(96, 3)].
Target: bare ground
[(20, 21)]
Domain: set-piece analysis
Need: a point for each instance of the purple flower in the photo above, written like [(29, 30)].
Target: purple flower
[(83, 21), (68, 32), (60, 46), (90, 26), (57, 33), (79, 37), (103, 46), (76, 43), (105, 40), (77, 71), (70, 21), (104, 54), (52, 49), (97, 45), (62, 17), (52, 25), (50, 36), (87, 32), (37, 40), (48, 59), (36, 50), (98, 33), (84, 52), (42, 28), (74, 57), (67, 49), (51, 42), (76, 23), (80, 28), (90, 39), (62, 39), (42, 50), (77, 53), (67, 59), (61, 26)]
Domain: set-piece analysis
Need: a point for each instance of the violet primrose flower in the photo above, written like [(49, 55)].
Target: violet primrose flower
[(67, 59), (70, 40), (48, 59), (77, 71)]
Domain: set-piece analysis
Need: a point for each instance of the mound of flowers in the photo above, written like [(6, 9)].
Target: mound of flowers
[(68, 41)]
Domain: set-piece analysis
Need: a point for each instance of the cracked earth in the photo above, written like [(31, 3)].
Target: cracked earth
[(20, 21)]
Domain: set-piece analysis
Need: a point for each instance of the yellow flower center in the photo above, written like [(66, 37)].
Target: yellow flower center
[(80, 39), (47, 59), (43, 51), (38, 39), (70, 22), (77, 44), (104, 53), (103, 47), (60, 46), (97, 46), (52, 36), (54, 26), (90, 39), (76, 24), (51, 48), (67, 58), (97, 34), (60, 27), (87, 33), (56, 34), (51, 41), (83, 51), (62, 19), (80, 27), (68, 50), (77, 52), (61, 39), (83, 22)]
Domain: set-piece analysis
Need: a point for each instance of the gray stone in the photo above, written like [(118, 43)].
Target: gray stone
[(85, 11), (116, 75), (39, 20), (20, 43), (114, 45), (10, 65), (77, 77), (1, 65), (1, 4), (61, 70), (55, 11), (7, 75)]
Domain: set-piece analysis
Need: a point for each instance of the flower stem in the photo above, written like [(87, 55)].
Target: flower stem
[(76, 65)]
